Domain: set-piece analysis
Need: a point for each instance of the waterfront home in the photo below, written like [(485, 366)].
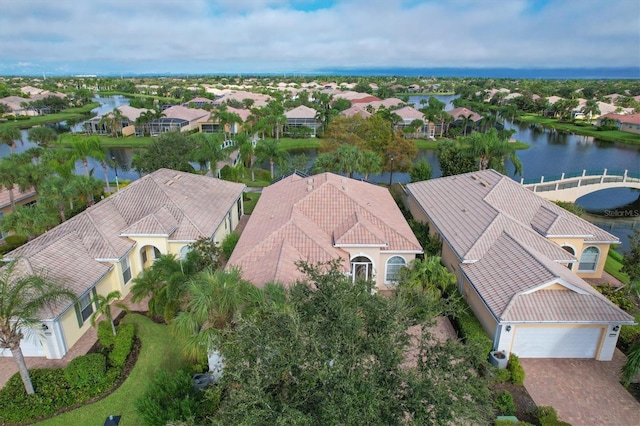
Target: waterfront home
[(629, 123), (521, 264), (322, 218), (301, 122), (103, 248), (20, 198), (179, 118), (465, 118), (410, 117)]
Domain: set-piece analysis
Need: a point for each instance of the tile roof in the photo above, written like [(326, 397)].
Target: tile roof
[(458, 113), (301, 111), (409, 113), (189, 114), (300, 218), (499, 230), (167, 202), (355, 110), (5, 200)]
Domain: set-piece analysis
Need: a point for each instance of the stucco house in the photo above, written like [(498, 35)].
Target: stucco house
[(629, 123), (409, 115), (321, 218), (19, 198), (301, 117), (520, 262), (101, 249), (460, 116)]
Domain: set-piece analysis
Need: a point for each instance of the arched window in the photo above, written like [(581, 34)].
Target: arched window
[(183, 252), (361, 267), (589, 259), (394, 264)]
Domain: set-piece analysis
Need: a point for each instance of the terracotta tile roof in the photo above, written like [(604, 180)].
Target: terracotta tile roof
[(18, 196), (623, 118), (242, 113), (355, 110), (301, 111), (167, 202), (189, 114), (130, 112), (409, 113), (308, 219), (458, 113)]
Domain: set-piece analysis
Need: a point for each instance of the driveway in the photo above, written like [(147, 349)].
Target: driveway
[(583, 392)]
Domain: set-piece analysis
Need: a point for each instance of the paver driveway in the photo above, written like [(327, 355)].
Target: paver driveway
[(583, 392)]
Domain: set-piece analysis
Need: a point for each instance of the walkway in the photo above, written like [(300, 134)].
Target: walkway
[(8, 366), (583, 392)]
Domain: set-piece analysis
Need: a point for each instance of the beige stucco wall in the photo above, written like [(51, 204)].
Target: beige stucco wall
[(479, 308), (578, 244)]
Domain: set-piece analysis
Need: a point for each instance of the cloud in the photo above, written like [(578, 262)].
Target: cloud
[(280, 35)]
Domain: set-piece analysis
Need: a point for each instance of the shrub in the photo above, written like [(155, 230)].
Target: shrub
[(229, 243), (618, 297), (472, 332), (122, 345), (501, 375), (517, 372), (504, 403), (547, 416), (11, 242), (629, 334), (170, 397), (86, 370), (105, 334)]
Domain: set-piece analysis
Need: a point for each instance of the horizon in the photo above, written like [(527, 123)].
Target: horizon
[(165, 37)]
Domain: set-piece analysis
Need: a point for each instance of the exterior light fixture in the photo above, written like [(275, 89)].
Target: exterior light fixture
[(616, 328), (508, 328), (45, 327)]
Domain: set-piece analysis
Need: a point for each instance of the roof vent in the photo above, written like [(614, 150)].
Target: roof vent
[(169, 182), (475, 177), (176, 177), (344, 188), (309, 188), (484, 183), (310, 181)]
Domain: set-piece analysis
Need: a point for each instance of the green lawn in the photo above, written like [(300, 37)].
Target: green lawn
[(166, 100), (613, 266), (250, 201), (107, 141), (159, 351), (287, 144), (584, 129), (67, 114)]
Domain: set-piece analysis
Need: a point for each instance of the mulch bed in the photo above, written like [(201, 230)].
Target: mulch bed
[(525, 407)]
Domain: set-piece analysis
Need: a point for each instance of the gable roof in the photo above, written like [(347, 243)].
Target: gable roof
[(499, 230), (409, 113), (182, 206), (458, 113), (312, 219), (355, 110), (301, 111), (185, 113)]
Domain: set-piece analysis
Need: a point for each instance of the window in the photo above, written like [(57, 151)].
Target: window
[(589, 259), (84, 307), (184, 251), (573, 252), (126, 269), (394, 264), (361, 268), (144, 256)]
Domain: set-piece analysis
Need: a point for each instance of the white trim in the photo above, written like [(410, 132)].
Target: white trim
[(386, 270)]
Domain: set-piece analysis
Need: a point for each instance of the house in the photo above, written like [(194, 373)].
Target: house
[(629, 123), (125, 123), (18, 105), (213, 124), (20, 198), (521, 263), (199, 102), (409, 115), (301, 119), (179, 118), (101, 249), (321, 218), (355, 110), (465, 118)]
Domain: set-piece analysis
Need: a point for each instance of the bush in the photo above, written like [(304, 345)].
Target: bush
[(501, 375), (629, 334), (472, 332), (517, 372), (547, 416), (618, 297), (229, 243), (86, 370), (12, 242), (105, 334), (170, 397), (504, 403), (122, 345)]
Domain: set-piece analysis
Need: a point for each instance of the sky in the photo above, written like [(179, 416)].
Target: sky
[(68, 37)]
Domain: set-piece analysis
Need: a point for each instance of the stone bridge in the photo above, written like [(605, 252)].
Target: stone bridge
[(570, 186)]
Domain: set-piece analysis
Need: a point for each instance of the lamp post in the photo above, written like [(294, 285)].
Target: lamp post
[(115, 167), (391, 174)]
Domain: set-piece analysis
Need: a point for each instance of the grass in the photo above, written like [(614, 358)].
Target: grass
[(250, 201), (584, 129), (431, 144), (166, 100), (107, 141), (158, 351), (287, 144), (65, 115), (613, 266)]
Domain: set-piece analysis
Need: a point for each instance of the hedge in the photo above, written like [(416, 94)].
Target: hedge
[(517, 372), (122, 345), (89, 369), (105, 335), (472, 332)]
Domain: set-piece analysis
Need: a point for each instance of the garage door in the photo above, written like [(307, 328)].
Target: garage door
[(31, 345), (556, 342)]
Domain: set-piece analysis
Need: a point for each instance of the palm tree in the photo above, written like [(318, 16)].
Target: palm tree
[(268, 150), (42, 135), (56, 192), (429, 276), (9, 136), (208, 151), (21, 299), (466, 120), (86, 186), (29, 221), (347, 158), (247, 153), (215, 299), (84, 148), (631, 368), (370, 162), (591, 108), (9, 178), (491, 151), (103, 304)]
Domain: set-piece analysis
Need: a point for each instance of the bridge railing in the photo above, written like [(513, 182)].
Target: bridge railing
[(576, 179)]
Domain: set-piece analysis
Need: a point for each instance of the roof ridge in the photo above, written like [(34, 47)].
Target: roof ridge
[(485, 232), (93, 223), (184, 215)]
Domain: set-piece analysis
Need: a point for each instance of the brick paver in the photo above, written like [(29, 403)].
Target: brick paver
[(8, 366), (583, 392)]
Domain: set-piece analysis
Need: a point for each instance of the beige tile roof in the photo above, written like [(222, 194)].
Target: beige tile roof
[(355, 110), (184, 206), (189, 114), (499, 229), (301, 111), (18, 196), (458, 113), (301, 218), (409, 113)]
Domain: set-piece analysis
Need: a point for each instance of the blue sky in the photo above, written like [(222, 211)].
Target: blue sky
[(289, 36)]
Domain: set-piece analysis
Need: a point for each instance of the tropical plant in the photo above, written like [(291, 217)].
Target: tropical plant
[(9, 178), (29, 221), (9, 136), (631, 367), (42, 135), (631, 263), (103, 304), (268, 150), (370, 163), (215, 299), (420, 171), (171, 150), (83, 148), (21, 299), (491, 151)]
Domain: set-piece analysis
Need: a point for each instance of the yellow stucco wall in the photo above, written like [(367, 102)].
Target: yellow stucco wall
[(578, 244)]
